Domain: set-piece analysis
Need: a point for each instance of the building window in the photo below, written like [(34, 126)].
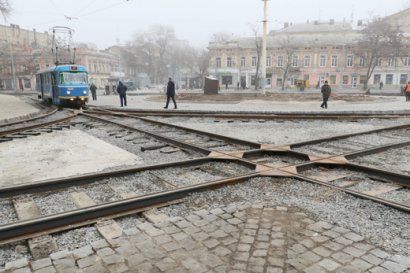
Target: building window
[(349, 61), (376, 78), (391, 61), (403, 78), (243, 63), (229, 62), (389, 79), (345, 79), (362, 79), (362, 62), (306, 62), (253, 61), (218, 62), (379, 62), (333, 79), (334, 61), (406, 61), (322, 61), (269, 61), (294, 60), (280, 61)]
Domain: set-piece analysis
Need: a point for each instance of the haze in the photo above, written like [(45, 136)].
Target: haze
[(109, 22)]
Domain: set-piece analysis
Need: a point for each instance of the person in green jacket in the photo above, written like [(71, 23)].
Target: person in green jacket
[(326, 90)]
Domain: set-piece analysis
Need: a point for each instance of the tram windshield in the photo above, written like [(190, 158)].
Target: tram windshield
[(73, 77)]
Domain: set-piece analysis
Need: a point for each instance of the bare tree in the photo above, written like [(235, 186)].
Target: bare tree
[(258, 46), (221, 37), (288, 52), (379, 40), (5, 8)]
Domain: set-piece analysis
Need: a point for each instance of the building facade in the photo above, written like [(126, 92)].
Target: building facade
[(311, 53)]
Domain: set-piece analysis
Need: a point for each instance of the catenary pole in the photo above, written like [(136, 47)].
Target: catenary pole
[(265, 30)]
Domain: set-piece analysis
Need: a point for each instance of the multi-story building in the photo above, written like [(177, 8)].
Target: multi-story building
[(311, 51)]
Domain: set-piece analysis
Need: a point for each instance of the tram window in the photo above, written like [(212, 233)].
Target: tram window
[(73, 77)]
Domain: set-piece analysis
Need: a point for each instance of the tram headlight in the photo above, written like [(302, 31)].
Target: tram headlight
[(85, 92), (68, 92)]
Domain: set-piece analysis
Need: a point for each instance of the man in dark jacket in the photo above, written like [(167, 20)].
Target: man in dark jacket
[(170, 93), (122, 91), (93, 89), (326, 90)]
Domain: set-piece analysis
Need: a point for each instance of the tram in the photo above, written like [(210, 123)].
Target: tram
[(63, 85)]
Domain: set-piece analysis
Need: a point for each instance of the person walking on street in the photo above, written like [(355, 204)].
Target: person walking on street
[(407, 90), (170, 93), (326, 90), (93, 89), (381, 85), (122, 91)]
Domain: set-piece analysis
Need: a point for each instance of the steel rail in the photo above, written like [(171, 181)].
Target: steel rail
[(65, 220), (260, 115), (385, 202), (375, 150), (29, 119), (62, 183), (344, 136), (22, 129), (174, 142)]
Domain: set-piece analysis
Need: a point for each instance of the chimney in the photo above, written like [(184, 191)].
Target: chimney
[(332, 21)]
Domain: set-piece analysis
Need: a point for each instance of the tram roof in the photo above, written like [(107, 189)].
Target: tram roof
[(65, 67)]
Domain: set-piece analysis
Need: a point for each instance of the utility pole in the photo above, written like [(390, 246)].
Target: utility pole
[(265, 30)]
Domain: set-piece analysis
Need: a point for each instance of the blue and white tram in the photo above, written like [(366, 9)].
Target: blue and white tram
[(65, 85)]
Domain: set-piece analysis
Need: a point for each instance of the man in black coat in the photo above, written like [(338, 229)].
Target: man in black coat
[(326, 90), (93, 89), (122, 91), (170, 93)]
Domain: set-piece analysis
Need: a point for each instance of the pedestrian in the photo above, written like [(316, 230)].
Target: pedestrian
[(93, 89), (381, 85), (326, 90), (226, 85), (122, 91), (407, 90), (170, 93)]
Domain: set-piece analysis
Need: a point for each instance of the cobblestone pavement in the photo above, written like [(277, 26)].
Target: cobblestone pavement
[(231, 239)]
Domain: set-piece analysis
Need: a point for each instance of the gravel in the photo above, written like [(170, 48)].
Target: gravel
[(55, 202), (13, 251), (76, 238), (7, 212)]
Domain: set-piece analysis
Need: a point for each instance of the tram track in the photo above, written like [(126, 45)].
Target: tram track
[(208, 149)]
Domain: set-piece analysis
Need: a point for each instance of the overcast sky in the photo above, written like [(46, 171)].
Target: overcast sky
[(105, 22)]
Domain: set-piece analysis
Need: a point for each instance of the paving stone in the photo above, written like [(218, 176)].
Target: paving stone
[(394, 267), (380, 253), (191, 230), (370, 258), (320, 239), (64, 264), (162, 239), (105, 252), (126, 250), (193, 265), (263, 238), (277, 243), (171, 246), (99, 244), (131, 231), (209, 228), (171, 229), (216, 211), (135, 260), (48, 269), (348, 269), (82, 252), (308, 243), (201, 236), (298, 248), (42, 263), (261, 245), (322, 251), (20, 263), (118, 268), (247, 239), (112, 259), (201, 223), (179, 236), (364, 246), (319, 226), (166, 264), (255, 268), (22, 270), (343, 241), (183, 224), (331, 234), (222, 251), (333, 245), (211, 243), (315, 269), (361, 264), (274, 270), (241, 256), (340, 230), (211, 260), (273, 261), (219, 234), (297, 264), (342, 257), (145, 267), (353, 237), (354, 251), (234, 221), (189, 244), (379, 270), (329, 264), (309, 258), (401, 259), (228, 241), (260, 253), (87, 261), (244, 247), (250, 232)]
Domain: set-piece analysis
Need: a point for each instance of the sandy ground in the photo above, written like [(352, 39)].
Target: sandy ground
[(70, 152), (13, 107)]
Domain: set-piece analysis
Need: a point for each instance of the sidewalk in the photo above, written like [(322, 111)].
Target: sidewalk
[(13, 107)]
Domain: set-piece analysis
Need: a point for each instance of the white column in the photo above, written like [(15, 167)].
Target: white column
[(265, 30)]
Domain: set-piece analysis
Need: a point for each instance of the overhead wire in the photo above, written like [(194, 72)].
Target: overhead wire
[(104, 8)]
